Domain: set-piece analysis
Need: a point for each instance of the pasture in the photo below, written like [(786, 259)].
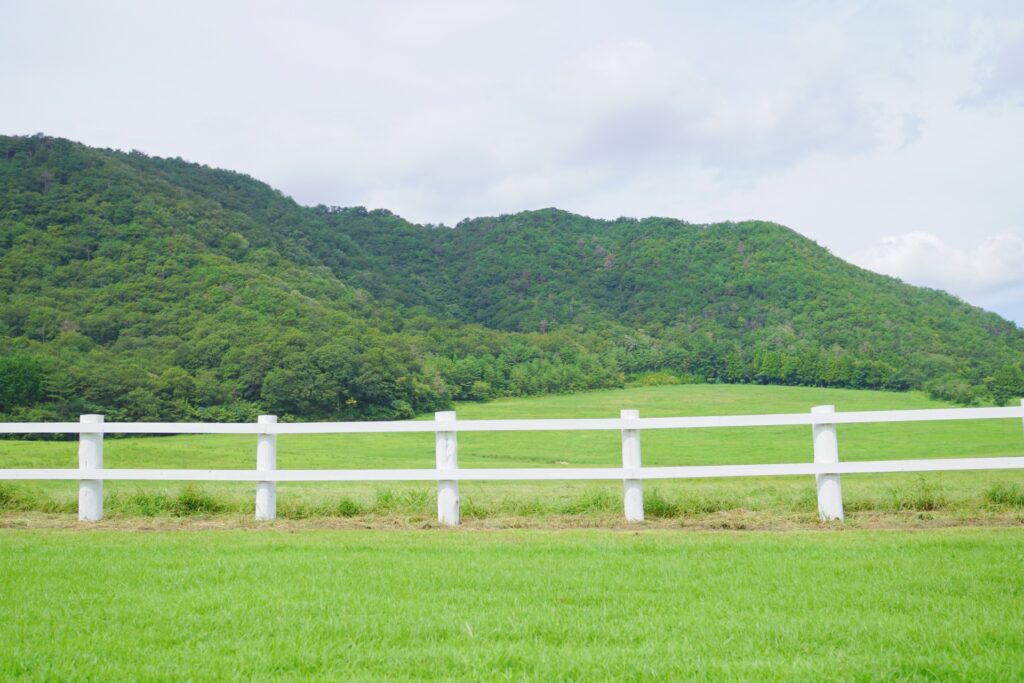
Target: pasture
[(963, 495), (512, 605), (180, 583)]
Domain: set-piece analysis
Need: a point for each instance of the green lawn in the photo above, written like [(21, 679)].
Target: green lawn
[(512, 605), (968, 492)]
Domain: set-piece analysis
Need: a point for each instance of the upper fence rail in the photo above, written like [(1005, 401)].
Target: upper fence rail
[(540, 425)]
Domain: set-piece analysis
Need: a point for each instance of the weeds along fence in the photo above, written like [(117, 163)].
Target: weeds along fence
[(826, 466)]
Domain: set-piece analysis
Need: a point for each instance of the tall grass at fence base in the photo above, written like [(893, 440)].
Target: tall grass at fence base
[(1006, 496), (419, 504), (921, 496), (190, 501), (15, 498)]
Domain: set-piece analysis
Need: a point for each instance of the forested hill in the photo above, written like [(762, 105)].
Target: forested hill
[(756, 285), (149, 288)]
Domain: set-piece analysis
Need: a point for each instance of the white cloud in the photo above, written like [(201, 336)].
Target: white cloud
[(1001, 76), (913, 127), (994, 264), (989, 274)]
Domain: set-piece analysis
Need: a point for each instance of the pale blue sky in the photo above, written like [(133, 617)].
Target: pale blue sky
[(892, 133)]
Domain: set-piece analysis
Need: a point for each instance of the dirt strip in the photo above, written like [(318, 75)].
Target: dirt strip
[(733, 520)]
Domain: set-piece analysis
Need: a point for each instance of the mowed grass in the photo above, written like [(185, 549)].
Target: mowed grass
[(960, 493), (512, 605)]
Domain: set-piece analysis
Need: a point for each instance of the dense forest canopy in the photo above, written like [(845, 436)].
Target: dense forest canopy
[(147, 288)]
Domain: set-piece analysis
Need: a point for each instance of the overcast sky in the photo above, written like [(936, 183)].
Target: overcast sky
[(892, 133)]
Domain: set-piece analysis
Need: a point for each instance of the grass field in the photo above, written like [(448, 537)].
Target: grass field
[(217, 596), (954, 494), (512, 605)]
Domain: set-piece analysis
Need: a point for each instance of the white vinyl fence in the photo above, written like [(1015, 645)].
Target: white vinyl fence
[(826, 467)]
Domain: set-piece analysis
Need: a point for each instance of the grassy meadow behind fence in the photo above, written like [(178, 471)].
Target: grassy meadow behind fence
[(999, 493)]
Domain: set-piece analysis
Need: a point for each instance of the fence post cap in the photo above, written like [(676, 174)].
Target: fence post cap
[(445, 416), (265, 419), (90, 418), (823, 409), (629, 414)]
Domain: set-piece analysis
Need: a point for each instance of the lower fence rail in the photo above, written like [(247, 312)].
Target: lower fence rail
[(826, 467), (516, 474)]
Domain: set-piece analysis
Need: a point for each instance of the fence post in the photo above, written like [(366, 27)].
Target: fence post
[(266, 460), (633, 489), (90, 457), (447, 457), (826, 450)]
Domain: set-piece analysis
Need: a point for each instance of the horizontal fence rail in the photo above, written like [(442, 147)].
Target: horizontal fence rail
[(826, 467), (527, 474), (546, 425)]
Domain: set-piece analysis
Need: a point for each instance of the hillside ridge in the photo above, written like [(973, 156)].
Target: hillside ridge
[(148, 287)]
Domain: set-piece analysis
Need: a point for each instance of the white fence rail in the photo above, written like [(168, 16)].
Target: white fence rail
[(826, 467)]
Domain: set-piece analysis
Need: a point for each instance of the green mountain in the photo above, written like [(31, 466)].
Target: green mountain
[(148, 288), (738, 302)]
